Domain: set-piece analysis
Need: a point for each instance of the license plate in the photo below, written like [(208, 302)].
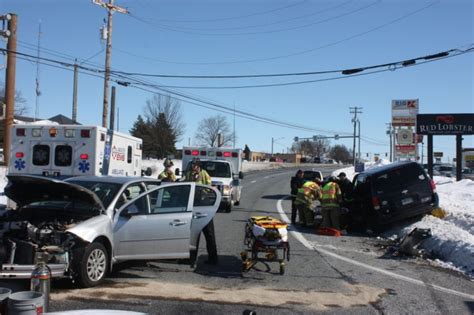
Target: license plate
[(407, 201)]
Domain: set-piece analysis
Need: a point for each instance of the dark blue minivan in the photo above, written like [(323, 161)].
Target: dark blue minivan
[(390, 193)]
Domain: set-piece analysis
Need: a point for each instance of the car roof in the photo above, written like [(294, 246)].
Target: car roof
[(111, 179), (388, 167)]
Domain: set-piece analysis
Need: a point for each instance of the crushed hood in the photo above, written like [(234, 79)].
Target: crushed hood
[(25, 189)]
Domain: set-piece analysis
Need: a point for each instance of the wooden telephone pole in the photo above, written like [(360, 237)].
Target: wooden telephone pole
[(111, 8), (9, 83)]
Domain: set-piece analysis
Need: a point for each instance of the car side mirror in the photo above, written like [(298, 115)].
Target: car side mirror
[(129, 211), (241, 175), (176, 172)]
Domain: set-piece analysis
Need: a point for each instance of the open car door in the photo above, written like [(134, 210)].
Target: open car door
[(205, 204), (156, 224)]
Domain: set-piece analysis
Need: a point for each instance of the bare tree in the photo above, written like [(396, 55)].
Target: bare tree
[(210, 128), (21, 108), (172, 110), (312, 148), (341, 153)]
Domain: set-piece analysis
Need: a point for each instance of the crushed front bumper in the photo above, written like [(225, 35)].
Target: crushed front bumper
[(24, 271)]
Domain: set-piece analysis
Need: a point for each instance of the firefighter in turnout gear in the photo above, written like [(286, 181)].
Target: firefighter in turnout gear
[(199, 176), (330, 203), (167, 175), (309, 192)]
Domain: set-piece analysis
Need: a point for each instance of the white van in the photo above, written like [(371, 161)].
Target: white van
[(73, 150), (224, 165)]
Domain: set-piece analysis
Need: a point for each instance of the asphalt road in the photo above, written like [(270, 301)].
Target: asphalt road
[(352, 274)]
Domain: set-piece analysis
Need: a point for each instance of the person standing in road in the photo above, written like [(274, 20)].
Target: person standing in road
[(200, 176), (307, 194), (295, 183), (167, 175), (346, 188), (330, 204)]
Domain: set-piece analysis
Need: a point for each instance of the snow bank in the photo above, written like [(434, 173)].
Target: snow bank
[(38, 122), (452, 238), (350, 172)]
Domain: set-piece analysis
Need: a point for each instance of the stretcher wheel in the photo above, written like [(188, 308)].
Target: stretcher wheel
[(282, 268)]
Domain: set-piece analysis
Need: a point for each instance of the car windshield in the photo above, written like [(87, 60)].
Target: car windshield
[(215, 169), (105, 191)]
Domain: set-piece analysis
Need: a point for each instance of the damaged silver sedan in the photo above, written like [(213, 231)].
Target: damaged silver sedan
[(83, 226)]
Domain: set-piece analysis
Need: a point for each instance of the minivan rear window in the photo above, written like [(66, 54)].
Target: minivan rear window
[(398, 178), (41, 155)]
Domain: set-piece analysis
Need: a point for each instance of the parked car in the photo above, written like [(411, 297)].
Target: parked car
[(391, 193), (311, 174), (83, 226), (444, 170), (468, 173)]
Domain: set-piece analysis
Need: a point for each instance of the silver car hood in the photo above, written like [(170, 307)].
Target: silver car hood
[(25, 189)]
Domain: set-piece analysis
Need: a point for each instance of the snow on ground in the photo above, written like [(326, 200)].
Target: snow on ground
[(157, 166), (452, 238)]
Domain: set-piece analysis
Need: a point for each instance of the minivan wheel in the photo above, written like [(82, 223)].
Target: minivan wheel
[(92, 265), (228, 207)]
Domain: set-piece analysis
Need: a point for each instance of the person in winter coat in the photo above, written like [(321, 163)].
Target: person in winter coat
[(346, 188), (331, 198), (167, 175), (200, 176), (307, 194), (295, 183)]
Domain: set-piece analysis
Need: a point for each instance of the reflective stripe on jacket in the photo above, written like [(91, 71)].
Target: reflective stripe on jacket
[(331, 195), (309, 192), (201, 178)]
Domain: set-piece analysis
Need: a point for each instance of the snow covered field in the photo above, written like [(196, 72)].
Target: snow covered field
[(452, 238)]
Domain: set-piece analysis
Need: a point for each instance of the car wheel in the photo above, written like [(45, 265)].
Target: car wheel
[(228, 207), (237, 203), (92, 265)]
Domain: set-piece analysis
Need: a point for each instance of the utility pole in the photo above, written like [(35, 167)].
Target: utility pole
[(355, 110), (272, 146), (111, 8), (74, 94), (112, 109), (38, 92), (9, 83), (389, 132), (234, 125), (358, 154)]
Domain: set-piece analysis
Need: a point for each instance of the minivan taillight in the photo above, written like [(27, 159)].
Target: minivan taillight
[(376, 202), (433, 185)]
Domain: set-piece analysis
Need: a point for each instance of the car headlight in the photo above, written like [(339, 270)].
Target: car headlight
[(226, 190)]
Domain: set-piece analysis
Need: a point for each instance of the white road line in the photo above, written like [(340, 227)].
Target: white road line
[(252, 182), (317, 247)]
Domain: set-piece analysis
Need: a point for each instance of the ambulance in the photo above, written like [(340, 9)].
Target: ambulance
[(73, 150), (224, 165)]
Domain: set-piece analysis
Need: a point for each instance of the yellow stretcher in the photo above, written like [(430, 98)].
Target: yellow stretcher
[(266, 236)]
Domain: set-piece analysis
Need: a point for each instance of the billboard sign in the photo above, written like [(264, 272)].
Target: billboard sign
[(445, 124), (404, 112)]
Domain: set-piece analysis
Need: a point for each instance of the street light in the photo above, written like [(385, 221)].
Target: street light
[(274, 140)]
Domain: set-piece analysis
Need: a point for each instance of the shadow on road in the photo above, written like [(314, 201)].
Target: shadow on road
[(228, 267)]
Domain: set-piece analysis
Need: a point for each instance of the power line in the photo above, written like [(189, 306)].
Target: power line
[(405, 62), (302, 52), (188, 99), (275, 22), (183, 30), (236, 17)]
